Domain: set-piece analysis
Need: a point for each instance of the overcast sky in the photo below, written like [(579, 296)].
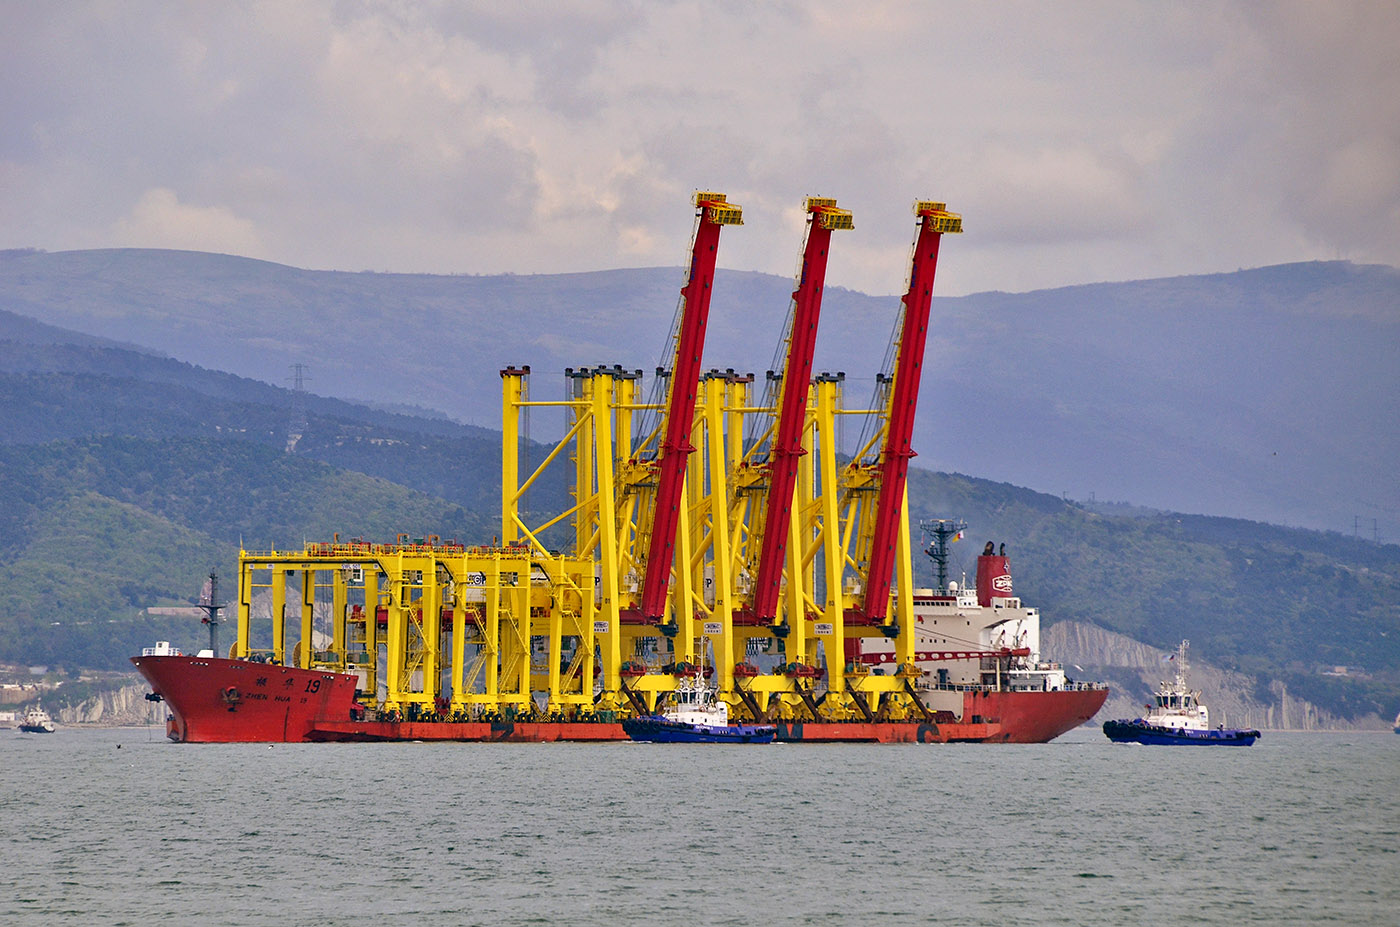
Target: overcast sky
[(1080, 141)]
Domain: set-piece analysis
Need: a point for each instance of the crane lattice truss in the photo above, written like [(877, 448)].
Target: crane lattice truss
[(728, 528)]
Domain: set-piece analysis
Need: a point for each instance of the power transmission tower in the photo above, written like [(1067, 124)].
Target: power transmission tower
[(296, 427)]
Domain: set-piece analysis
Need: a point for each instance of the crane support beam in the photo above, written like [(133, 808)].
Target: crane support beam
[(934, 222), (787, 449), (676, 448)]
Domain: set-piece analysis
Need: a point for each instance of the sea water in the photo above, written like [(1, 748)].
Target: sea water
[(122, 827)]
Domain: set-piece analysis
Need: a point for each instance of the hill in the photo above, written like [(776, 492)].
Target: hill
[(1256, 394), (94, 531)]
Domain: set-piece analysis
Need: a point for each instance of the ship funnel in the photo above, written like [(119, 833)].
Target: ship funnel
[(993, 578)]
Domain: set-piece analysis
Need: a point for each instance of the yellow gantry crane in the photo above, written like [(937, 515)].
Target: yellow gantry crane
[(708, 525)]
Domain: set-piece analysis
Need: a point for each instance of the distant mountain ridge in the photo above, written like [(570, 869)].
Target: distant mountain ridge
[(1262, 394)]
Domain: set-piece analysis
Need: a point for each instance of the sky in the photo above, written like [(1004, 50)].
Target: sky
[(1081, 142)]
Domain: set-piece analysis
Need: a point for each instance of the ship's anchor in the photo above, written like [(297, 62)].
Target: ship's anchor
[(232, 697)]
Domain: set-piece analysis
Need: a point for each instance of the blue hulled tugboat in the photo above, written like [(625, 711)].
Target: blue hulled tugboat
[(1177, 717), (696, 717)]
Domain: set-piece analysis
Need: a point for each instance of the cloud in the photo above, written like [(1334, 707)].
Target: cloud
[(160, 220), (1098, 141), (1054, 195)]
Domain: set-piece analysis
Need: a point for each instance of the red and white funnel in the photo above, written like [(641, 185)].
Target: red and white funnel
[(993, 579)]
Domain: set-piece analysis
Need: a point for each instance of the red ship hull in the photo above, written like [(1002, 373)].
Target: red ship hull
[(988, 717), (1031, 717), (472, 731), (880, 732), (213, 700), (235, 701)]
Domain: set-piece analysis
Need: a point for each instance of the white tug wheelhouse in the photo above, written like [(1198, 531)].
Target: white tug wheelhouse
[(695, 704), (1176, 704)]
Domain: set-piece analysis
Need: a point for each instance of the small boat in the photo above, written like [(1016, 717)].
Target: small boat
[(37, 721), (696, 717), (1177, 717)]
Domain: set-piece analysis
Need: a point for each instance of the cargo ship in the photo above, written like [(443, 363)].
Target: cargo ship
[(719, 521), (982, 680), (217, 700)]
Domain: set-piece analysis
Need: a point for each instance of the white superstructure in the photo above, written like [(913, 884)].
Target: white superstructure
[(37, 721), (1177, 705), (695, 704)]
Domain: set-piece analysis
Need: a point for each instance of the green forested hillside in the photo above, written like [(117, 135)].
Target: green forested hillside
[(94, 530)]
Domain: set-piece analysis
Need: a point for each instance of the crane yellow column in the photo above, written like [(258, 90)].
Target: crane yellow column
[(245, 606), (340, 609), (830, 626), (305, 649), (279, 615), (719, 628), (512, 394), (372, 637), (607, 625)]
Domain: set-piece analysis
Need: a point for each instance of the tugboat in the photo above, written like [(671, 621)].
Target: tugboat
[(37, 721), (696, 717), (1177, 717)]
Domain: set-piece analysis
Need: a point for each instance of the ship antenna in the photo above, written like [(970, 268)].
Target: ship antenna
[(943, 530), (211, 608)]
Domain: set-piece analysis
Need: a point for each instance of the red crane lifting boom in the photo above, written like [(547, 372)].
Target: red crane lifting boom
[(787, 447), (675, 445), (934, 222)]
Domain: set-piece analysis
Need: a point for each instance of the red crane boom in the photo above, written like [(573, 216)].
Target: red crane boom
[(934, 221), (675, 447), (787, 447)]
